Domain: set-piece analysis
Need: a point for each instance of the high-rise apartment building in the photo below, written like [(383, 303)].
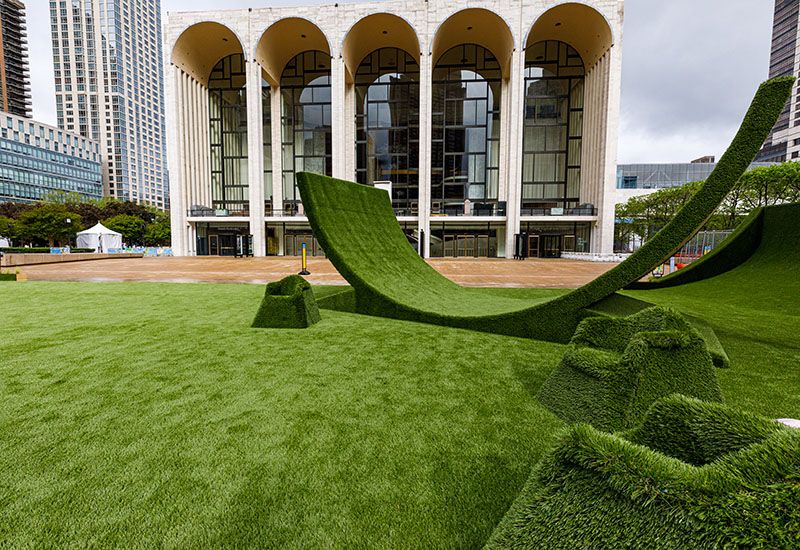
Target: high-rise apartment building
[(784, 141), (15, 88), (109, 87)]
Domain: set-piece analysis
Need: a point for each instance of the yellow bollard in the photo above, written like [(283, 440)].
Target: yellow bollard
[(305, 270)]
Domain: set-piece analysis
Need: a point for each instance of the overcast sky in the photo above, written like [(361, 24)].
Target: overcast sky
[(689, 70)]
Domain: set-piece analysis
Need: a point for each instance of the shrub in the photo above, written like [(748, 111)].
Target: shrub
[(288, 303), (615, 368), (356, 226), (693, 475), (8, 276)]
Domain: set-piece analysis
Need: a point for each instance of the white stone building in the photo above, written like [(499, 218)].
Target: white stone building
[(490, 121)]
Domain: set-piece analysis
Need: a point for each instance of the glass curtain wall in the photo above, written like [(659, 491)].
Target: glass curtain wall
[(387, 125), (465, 141), (553, 127), (305, 121), (227, 104), (266, 132)]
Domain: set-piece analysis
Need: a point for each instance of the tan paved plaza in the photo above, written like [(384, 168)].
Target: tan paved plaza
[(465, 271)]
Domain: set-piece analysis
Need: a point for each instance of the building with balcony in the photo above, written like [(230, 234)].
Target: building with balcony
[(485, 122), (37, 159), (15, 86), (108, 72)]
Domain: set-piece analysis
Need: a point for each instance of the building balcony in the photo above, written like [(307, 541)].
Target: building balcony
[(581, 210), (220, 210), (468, 208)]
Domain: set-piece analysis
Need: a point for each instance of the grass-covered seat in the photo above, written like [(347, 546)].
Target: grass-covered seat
[(288, 303), (357, 227), (693, 475), (615, 368)]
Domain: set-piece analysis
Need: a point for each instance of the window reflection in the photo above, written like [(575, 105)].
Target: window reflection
[(305, 120), (553, 126), (465, 142), (387, 125), (228, 135)]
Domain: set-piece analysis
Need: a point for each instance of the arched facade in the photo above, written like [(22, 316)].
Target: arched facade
[(480, 141)]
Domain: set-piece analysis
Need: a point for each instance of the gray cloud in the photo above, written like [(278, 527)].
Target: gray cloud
[(689, 70)]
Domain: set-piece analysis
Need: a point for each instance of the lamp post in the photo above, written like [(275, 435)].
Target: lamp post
[(69, 225)]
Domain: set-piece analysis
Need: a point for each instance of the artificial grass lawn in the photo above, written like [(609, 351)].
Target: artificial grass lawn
[(151, 414), (143, 415)]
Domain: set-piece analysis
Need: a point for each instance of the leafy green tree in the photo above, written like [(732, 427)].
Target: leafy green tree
[(131, 227), (49, 224), (158, 233), (764, 186), (8, 228)]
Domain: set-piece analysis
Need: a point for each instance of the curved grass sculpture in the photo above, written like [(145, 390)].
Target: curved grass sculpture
[(763, 228), (693, 475), (358, 230)]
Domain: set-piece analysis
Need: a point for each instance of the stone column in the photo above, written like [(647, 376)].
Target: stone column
[(177, 210), (255, 154), (513, 179), (425, 132), (277, 150), (338, 133), (609, 182)]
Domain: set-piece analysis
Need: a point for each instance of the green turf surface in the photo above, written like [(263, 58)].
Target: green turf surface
[(151, 414), (143, 415), (755, 312)]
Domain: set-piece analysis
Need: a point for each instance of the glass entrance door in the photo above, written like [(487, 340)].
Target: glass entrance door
[(466, 246), (533, 246), (550, 246)]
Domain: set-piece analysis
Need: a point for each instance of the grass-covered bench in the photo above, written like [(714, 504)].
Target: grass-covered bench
[(288, 303), (693, 475), (615, 368)]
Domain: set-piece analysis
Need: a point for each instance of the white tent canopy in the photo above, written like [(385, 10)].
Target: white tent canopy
[(100, 238)]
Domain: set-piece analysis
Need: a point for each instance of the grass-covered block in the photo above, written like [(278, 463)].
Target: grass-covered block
[(288, 303), (615, 368), (8, 276), (694, 474)]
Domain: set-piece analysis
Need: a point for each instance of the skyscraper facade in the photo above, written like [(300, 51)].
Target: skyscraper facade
[(109, 87), (15, 88), (784, 141)]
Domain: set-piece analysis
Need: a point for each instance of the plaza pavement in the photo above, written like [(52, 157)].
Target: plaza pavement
[(465, 271)]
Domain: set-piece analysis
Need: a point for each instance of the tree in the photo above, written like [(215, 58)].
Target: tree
[(158, 233), (8, 228), (49, 224), (132, 228)]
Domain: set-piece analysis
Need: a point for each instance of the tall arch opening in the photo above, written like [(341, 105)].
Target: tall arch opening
[(567, 72), (305, 86), (227, 108), (553, 127), (208, 66), (387, 125)]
